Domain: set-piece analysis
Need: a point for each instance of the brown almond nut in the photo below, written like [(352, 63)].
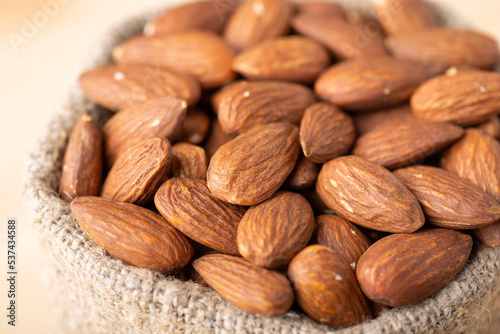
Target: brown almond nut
[(366, 122), (132, 234), (250, 168), (245, 285), (326, 132), (369, 195), (346, 40), (476, 158), (449, 201), (160, 117), (226, 92), (446, 46), (195, 126), (404, 16), (326, 287), (488, 236), (326, 8), (466, 98), (119, 87), (303, 175), (343, 237), (403, 269), (492, 127), (405, 142), (190, 207), (139, 172), (373, 83), (272, 232), (262, 102), (254, 21), (83, 161), (189, 161), (202, 55), (216, 138), (289, 58), (209, 15)]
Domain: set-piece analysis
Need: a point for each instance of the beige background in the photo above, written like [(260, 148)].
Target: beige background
[(34, 74)]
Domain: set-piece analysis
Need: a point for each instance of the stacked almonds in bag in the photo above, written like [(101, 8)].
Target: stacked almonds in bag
[(286, 152)]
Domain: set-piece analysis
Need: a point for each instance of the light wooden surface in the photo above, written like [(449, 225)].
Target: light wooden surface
[(34, 74)]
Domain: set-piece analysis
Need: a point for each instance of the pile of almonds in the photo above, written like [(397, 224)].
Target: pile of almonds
[(282, 152)]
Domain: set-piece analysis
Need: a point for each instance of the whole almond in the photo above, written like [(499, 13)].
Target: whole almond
[(326, 287), (190, 207), (160, 117), (369, 195), (254, 21), (447, 47), (373, 83), (250, 168), (216, 138), (290, 58), (272, 232), (326, 132), (466, 98), (424, 263), (402, 143), (365, 122), (139, 172), (488, 236), (195, 126), (132, 234), (447, 200), (492, 127), (245, 285), (202, 55), (303, 175), (189, 161), (119, 87), (83, 161), (326, 8)]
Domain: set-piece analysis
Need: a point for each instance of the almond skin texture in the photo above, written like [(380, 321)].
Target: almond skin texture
[(403, 269), (447, 200), (341, 236), (254, 21), (326, 287), (189, 161), (476, 158), (272, 232), (83, 164), (118, 87), (303, 175), (326, 132), (365, 122), (405, 142), (132, 234), (488, 236), (373, 83), (202, 55), (369, 195), (248, 104), (466, 98), (159, 117), (195, 127), (290, 58), (247, 286), (139, 172), (250, 168), (190, 207), (446, 46)]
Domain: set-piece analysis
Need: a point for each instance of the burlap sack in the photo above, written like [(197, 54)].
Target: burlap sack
[(91, 292)]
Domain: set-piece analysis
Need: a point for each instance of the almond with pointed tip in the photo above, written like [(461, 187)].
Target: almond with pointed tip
[(303, 175), (488, 236), (189, 161)]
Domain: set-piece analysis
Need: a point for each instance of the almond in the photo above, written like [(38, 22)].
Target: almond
[(492, 127), (189, 161), (365, 122), (488, 236), (303, 175), (132, 234), (195, 126), (326, 8), (216, 138), (424, 263)]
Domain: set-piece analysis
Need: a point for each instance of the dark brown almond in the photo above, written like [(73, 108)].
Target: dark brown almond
[(83, 161), (449, 201), (216, 138), (160, 117), (326, 132), (189, 161), (326, 8), (492, 127), (139, 172), (190, 207), (488, 236), (202, 55), (369, 195), (405, 142), (326, 287), (195, 126), (132, 234), (303, 175), (466, 98), (272, 232), (424, 263), (119, 87), (373, 83), (446, 46), (250, 168), (289, 58)]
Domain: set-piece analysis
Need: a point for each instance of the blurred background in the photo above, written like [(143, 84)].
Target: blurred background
[(42, 42)]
